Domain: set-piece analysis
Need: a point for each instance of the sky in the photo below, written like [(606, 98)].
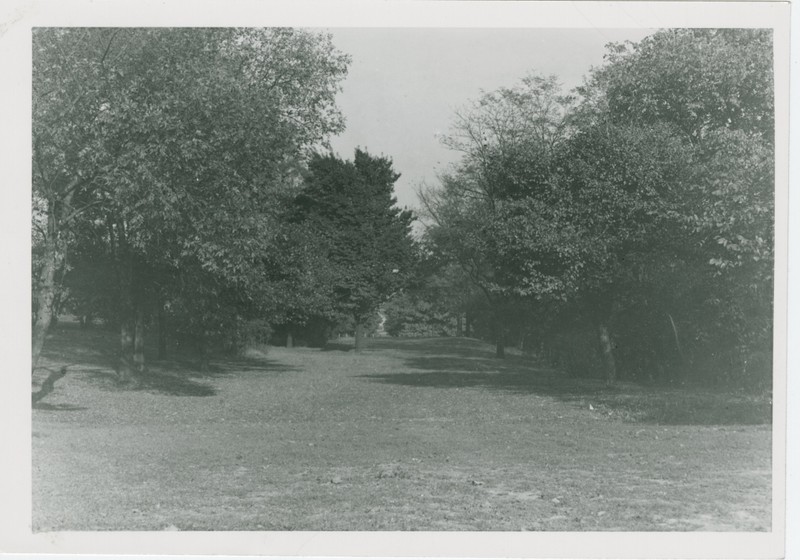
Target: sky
[(404, 84)]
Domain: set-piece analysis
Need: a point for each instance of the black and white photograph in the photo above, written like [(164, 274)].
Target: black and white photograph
[(522, 279)]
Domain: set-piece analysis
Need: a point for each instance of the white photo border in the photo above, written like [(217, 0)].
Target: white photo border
[(19, 17)]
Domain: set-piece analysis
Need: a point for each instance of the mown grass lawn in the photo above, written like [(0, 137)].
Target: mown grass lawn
[(427, 434)]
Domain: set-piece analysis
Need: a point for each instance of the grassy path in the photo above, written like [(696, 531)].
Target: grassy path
[(410, 435)]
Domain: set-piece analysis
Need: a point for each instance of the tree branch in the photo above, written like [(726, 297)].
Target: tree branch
[(77, 212)]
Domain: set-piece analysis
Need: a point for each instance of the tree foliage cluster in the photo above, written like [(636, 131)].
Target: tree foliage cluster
[(625, 229), (168, 169)]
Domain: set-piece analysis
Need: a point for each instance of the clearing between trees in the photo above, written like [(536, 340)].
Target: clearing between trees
[(411, 434)]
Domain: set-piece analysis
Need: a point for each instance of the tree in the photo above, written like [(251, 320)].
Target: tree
[(350, 207), (498, 212), (643, 208), (670, 174), (709, 94), (181, 143), (624, 184)]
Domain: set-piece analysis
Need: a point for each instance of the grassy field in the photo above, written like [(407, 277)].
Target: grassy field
[(415, 434)]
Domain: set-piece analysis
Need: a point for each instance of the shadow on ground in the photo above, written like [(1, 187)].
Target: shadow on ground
[(185, 379), (57, 407), (180, 376), (465, 363)]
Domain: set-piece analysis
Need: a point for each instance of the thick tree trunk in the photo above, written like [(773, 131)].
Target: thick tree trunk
[(138, 341), (359, 336), (607, 353), (45, 299), (126, 338), (500, 349)]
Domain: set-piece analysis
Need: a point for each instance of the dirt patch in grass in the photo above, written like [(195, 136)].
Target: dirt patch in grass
[(408, 435)]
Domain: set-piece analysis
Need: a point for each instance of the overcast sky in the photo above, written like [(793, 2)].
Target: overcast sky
[(404, 84)]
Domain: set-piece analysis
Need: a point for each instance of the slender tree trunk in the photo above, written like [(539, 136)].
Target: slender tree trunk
[(138, 341), (162, 333), (499, 337), (126, 309), (289, 339), (202, 342), (45, 299), (468, 324), (125, 369), (459, 325), (607, 353), (681, 358)]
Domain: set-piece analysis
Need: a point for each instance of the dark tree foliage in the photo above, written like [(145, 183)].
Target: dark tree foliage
[(366, 238)]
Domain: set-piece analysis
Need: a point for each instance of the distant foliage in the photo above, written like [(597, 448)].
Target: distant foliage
[(409, 315)]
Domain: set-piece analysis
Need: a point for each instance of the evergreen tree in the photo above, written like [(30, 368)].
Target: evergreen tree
[(365, 236)]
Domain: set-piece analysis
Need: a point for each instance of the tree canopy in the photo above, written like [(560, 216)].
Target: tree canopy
[(640, 207), (177, 146)]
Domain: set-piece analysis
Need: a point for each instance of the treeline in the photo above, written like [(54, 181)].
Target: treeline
[(623, 230), (181, 186)]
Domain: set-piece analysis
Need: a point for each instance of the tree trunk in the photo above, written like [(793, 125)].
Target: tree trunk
[(359, 336), (126, 341), (202, 342), (468, 324), (45, 300), (607, 353), (499, 336), (126, 308), (500, 348), (162, 333), (459, 325), (138, 340), (289, 339)]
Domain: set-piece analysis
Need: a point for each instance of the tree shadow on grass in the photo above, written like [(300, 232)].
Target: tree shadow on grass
[(185, 378), (165, 384), (57, 407), (461, 363)]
